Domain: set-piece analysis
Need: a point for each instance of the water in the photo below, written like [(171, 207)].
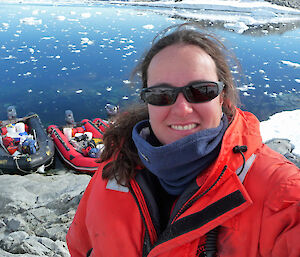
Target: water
[(79, 57)]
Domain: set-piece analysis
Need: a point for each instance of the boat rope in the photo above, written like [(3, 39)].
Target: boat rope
[(35, 139), (28, 172), (18, 167), (50, 163)]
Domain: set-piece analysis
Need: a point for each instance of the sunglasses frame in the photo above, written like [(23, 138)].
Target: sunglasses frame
[(176, 90)]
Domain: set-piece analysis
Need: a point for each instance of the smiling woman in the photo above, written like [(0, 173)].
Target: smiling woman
[(188, 174), (179, 65)]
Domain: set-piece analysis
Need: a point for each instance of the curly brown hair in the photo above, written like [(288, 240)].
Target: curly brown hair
[(117, 139)]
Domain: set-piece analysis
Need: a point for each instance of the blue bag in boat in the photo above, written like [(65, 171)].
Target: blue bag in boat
[(28, 146)]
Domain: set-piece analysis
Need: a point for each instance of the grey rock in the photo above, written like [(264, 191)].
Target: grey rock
[(36, 212), (287, 3), (285, 147)]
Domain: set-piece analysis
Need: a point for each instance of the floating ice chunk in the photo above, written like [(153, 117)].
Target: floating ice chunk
[(35, 12), (31, 21), (86, 15), (261, 71), (297, 80), (47, 38), (27, 74), (148, 26), (60, 18), (29, 90), (246, 94), (126, 81), (75, 51), (246, 87), (238, 27), (78, 91), (98, 93), (5, 25), (267, 85), (72, 12), (108, 89), (125, 97), (291, 64), (85, 40), (9, 57), (31, 50), (57, 57), (64, 68)]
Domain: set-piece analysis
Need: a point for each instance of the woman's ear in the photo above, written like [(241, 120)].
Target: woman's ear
[(221, 98)]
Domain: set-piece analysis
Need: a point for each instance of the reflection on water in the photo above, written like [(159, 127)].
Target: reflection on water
[(55, 58)]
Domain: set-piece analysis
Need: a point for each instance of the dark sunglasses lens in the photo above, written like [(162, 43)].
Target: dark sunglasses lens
[(160, 96), (202, 92)]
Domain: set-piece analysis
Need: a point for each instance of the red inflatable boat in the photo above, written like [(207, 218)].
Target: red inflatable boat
[(79, 145)]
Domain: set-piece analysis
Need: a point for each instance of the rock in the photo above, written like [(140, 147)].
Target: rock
[(285, 147), (287, 3), (36, 212)]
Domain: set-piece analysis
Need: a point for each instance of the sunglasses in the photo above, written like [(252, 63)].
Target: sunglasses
[(194, 92)]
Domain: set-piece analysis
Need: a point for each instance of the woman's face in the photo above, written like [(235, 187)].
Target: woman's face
[(178, 65)]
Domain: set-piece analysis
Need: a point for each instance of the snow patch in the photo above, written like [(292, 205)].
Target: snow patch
[(31, 21)]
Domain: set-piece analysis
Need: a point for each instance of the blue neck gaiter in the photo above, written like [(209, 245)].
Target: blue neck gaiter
[(178, 163)]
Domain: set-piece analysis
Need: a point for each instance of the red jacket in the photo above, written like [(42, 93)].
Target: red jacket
[(257, 212)]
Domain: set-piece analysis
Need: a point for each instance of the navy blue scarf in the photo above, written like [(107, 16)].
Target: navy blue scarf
[(177, 164)]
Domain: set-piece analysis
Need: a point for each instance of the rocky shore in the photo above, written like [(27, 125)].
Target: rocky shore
[(287, 3), (36, 211)]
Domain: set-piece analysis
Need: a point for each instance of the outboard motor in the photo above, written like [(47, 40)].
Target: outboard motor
[(69, 117), (111, 110), (11, 113)]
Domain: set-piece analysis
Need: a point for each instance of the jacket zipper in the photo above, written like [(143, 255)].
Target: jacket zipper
[(191, 202), (144, 211)]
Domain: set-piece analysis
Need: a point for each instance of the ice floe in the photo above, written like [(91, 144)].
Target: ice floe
[(148, 26), (291, 64), (60, 18), (31, 21), (85, 40), (85, 15), (238, 27)]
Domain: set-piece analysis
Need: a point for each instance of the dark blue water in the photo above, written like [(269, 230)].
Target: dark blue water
[(54, 58)]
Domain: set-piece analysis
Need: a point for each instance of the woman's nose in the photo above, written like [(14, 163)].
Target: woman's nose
[(182, 107)]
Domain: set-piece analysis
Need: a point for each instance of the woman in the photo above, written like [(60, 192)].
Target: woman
[(188, 175)]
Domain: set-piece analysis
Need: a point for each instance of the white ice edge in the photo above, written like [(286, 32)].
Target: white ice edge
[(284, 124)]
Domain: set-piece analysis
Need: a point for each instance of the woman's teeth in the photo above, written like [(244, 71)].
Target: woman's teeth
[(185, 127)]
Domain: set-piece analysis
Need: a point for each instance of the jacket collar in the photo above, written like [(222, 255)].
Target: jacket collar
[(222, 194), (243, 130)]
